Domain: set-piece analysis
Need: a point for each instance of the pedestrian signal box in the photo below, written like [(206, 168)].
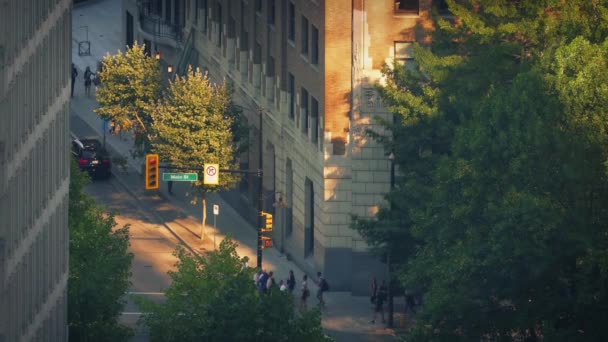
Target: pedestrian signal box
[(267, 242), (152, 172)]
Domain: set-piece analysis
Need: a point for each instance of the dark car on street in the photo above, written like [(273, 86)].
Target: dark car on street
[(92, 157)]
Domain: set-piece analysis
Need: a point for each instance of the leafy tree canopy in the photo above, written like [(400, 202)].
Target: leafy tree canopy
[(100, 267), (500, 137), (131, 86), (213, 298)]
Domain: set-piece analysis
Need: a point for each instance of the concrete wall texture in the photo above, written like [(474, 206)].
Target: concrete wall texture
[(35, 55), (311, 66)]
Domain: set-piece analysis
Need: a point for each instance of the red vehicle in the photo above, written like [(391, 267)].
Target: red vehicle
[(92, 157)]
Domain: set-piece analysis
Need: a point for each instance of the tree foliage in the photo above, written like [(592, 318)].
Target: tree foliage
[(213, 298), (131, 87), (195, 124), (100, 267), (500, 139)]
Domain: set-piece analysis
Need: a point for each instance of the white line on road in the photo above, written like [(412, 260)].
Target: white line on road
[(147, 293), (132, 313)]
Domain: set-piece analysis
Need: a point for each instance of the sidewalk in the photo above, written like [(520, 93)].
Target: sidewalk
[(347, 317)]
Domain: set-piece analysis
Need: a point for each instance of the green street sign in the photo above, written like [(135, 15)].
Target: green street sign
[(180, 177)]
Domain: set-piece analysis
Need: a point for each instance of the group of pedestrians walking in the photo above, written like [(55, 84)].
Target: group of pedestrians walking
[(89, 79), (265, 282)]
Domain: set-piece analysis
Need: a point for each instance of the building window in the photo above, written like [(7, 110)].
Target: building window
[(442, 7), (244, 39), (304, 110), (292, 96), (289, 196), (271, 12), (257, 53), (315, 46), (270, 67), (404, 53), (407, 6), (304, 36), (220, 23), (292, 22), (314, 118), (258, 6), (168, 10), (203, 6)]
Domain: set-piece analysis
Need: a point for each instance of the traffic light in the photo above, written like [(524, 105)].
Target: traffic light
[(152, 165), (267, 221)]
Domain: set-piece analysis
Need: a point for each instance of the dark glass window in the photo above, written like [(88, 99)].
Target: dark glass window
[(304, 36), (292, 22), (314, 116), (315, 46), (292, 96), (407, 6), (258, 6), (271, 12), (304, 110)]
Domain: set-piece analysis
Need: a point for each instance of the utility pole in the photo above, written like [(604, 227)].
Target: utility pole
[(261, 218), (389, 322)]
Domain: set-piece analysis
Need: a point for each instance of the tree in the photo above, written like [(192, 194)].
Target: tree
[(131, 85), (501, 146), (100, 267), (195, 125), (213, 298)]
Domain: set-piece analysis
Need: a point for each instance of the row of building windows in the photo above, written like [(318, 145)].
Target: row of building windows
[(38, 274), (26, 95)]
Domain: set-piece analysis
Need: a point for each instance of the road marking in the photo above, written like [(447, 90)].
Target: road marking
[(147, 293), (132, 313)]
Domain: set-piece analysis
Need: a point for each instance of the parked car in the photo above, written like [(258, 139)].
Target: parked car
[(92, 157)]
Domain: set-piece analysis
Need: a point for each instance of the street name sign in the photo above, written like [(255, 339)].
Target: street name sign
[(180, 177), (211, 173)]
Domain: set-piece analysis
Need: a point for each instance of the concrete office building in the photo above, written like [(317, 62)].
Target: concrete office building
[(311, 65), (35, 55)]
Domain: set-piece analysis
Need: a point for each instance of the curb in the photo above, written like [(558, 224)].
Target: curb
[(154, 214)]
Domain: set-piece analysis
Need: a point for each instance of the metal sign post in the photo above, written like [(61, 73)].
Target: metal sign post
[(216, 211)]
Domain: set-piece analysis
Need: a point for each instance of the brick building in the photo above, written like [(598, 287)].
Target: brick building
[(35, 55), (311, 66)]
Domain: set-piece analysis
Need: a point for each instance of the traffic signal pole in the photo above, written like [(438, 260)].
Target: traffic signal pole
[(261, 217)]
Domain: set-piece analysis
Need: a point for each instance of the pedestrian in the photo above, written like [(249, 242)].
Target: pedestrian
[(372, 297), (379, 303), (322, 287), (112, 127), (256, 277), (305, 292), (270, 283), (74, 75), (263, 281), (282, 286), (87, 81), (170, 187), (291, 282)]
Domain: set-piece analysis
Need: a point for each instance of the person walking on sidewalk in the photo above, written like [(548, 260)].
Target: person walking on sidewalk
[(291, 282), (305, 292), (74, 75), (374, 294), (379, 303), (88, 75), (322, 287), (262, 281)]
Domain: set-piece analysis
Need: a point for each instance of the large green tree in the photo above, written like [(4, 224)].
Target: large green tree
[(131, 86), (213, 298), (196, 124), (500, 140), (100, 267)]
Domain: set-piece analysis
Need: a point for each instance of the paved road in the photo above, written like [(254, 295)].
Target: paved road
[(151, 243)]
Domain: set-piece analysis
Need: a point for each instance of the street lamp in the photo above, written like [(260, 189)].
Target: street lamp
[(170, 68), (391, 158), (157, 55), (261, 218)]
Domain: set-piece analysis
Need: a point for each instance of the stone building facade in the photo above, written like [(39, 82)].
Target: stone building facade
[(35, 56), (310, 66)]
